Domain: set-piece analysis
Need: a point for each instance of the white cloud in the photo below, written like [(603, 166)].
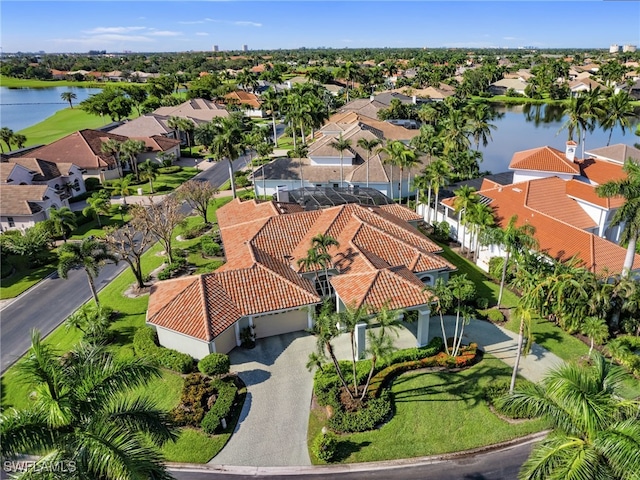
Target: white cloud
[(195, 22), (247, 24), (509, 38), (99, 30), (238, 23), (165, 33), (202, 34)]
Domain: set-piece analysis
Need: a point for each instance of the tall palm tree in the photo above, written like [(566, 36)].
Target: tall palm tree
[(628, 214), (619, 112), (582, 112), (596, 329), (349, 319), (443, 302), (228, 143), (341, 144), (439, 174), (407, 160), (96, 204), (312, 262), (456, 132), (90, 254), (480, 115), (112, 147), (512, 238), (148, 172), (322, 242), (83, 413), (187, 126), (68, 97), (397, 154), (595, 431), (130, 149), (480, 217), (523, 315), (271, 103), (63, 218), (465, 196)]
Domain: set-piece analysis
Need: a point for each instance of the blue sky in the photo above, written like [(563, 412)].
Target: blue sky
[(160, 26)]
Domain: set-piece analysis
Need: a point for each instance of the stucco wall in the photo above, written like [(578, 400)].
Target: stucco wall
[(277, 323), (191, 346), (226, 341)]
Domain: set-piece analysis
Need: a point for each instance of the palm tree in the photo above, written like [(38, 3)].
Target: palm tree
[(228, 143), (148, 172), (522, 314), (322, 242), (84, 414), (187, 126), (90, 254), (479, 117), (628, 214), (63, 218), (443, 302), (595, 431), (112, 147), (596, 329), (408, 160), (121, 186), (398, 154), (19, 139), (271, 104), (582, 112), (512, 238), (462, 291), (68, 97), (130, 149), (341, 144), (6, 135), (456, 131), (619, 112), (465, 196), (312, 261), (349, 319), (96, 204), (439, 174), (480, 216)]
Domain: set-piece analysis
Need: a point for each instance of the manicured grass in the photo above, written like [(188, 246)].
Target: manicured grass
[(24, 276), (61, 124), (435, 413), (285, 142), (166, 182), (485, 287), (33, 83), (194, 446)]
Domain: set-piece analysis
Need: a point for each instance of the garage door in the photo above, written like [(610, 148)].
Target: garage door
[(226, 341), (285, 322)]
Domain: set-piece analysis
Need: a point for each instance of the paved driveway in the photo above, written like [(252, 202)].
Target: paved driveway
[(272, 430)]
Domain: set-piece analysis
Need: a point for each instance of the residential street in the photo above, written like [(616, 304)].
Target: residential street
[(51, 301)]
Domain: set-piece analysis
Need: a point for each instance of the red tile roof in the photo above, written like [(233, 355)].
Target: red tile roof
[(547, 195), (601, 171), (546, 159), (377, 260)]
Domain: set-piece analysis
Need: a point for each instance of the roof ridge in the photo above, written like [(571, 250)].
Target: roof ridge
[(205, 304), (273, 272), (181, 292)]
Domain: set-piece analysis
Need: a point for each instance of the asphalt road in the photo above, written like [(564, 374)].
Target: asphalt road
[(497, 465), (51, 301)]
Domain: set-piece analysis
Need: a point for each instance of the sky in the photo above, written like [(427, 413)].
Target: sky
[(174, 26)]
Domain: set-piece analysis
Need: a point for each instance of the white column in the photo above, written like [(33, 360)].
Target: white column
[(361, 339), (424, 315), (236, 328), (310, 318)]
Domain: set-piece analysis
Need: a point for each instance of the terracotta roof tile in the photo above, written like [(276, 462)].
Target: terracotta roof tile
[(547, 195), (587, 192), (546, 159), (601, 171)]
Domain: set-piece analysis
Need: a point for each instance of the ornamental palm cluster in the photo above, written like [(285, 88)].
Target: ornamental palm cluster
[(84, 416)]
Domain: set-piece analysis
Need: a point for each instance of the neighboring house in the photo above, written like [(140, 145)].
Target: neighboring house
[(634, 90), (249, 103), (83, 149), (363, 106), (22, 206), (429, 94), (556, 193), (584, 85), (501, 87), (381, 262), (322, 166), (146, 125), (65, 178), (194, 109), (158, 144)]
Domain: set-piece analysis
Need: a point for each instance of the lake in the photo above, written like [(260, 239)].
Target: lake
[(530, 126), (22, 107), (520, 128)]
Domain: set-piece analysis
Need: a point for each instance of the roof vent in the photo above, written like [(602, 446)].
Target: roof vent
[(517, 190)]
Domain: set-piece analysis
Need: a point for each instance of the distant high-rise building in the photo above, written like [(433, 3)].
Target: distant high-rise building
[(614, 48), (245, 48), (629, 48), (215, 48)]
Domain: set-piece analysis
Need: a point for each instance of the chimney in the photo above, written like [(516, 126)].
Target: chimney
[(570, 152)]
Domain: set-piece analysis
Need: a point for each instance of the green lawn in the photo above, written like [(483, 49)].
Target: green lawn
[(452, 417), (24, 276), (484, 285), (33, 83), (61, 124)]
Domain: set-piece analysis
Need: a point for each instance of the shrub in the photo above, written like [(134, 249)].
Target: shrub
[(325, 446), (172, 269), (624, 351), (214, 364), (226, 395), (169, 170), (195, 231), (194, 399), (145, 344), (441, 231), (482, 303), (209, 247), (495, 315), (373, 413)]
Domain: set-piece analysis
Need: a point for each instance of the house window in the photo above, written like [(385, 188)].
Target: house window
[(11, 222), (336, 185)]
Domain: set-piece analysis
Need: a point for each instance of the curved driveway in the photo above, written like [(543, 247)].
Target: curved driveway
[(272, 430)]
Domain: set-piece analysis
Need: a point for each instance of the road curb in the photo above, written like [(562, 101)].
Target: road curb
[(355, 467)]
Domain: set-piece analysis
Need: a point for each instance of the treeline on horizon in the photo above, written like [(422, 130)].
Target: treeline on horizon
[(32, 65)]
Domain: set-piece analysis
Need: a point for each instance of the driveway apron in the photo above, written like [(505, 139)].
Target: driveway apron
[(272, 430)]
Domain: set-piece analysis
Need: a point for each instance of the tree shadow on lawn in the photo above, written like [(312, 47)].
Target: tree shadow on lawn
[(346, 448)]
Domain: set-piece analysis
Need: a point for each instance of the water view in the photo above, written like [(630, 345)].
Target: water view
[(22, 107)]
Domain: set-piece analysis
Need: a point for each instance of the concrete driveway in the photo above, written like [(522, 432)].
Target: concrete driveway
[(272, 430)]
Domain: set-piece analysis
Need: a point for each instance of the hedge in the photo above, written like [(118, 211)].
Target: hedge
[(215, 364), (495, 315), (169, 170), (145, 344), (375, 411), (623, 349), (194, 398), (226, 395), (325, 446)]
